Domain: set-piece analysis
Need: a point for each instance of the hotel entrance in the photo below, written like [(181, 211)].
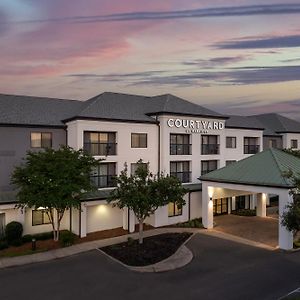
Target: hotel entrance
[(220, 206)]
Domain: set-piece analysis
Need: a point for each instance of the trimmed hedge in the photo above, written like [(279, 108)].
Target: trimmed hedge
[(13, 233), (245, 212), (67, 238)]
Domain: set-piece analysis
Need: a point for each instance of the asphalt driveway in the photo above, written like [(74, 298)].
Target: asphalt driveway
[(262, 230), (220, 269)]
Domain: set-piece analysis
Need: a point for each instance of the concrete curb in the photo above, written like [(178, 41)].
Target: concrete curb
[(80, 248)]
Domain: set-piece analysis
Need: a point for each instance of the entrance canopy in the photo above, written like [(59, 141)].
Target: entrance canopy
[(259, 175), (263, 169)]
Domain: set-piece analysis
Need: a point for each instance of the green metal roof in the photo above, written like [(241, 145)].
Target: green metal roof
[(8, 197), (264, 168)]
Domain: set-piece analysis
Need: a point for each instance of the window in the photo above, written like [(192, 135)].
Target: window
[(230, 142), (134, 167), (180, 144), (210, 144), (181, 170), (294, 144), (139, 140), (40, 217), (41, 139), (208, 166), (251, 145), (229, 162), (174, 210), (100, 143), (104, 175), (272, 143)]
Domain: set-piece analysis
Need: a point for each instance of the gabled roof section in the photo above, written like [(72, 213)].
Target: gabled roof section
[(115, 106), (264, 169), (275, 124), (243, 122), (170, 104), (37, 111)]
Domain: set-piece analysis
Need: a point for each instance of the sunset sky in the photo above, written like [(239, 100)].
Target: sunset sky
[(235, 56)]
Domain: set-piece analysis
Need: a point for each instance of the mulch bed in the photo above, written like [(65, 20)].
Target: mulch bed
[(153, 250)]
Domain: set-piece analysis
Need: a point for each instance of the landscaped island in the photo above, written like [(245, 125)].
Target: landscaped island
[(153, 250)]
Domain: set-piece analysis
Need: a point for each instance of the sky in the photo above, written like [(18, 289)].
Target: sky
[(234, 56)]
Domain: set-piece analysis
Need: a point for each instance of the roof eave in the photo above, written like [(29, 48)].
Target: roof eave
[(186, 114)]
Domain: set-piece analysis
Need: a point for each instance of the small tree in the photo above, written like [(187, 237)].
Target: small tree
[(291, 217), (55, 181), (144, 193)]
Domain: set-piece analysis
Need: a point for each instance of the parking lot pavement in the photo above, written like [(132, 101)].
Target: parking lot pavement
[(220, 269)]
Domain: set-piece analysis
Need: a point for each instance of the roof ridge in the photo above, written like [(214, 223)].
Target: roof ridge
[(272, 150)]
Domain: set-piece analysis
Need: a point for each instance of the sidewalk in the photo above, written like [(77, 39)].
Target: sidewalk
[(84, 247)]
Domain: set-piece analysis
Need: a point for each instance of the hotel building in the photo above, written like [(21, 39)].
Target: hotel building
[(174, 136)]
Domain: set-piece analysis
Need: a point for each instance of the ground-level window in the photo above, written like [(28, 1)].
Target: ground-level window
[(139, 140), (230, 142), (41, 139), (181, 170), (229, 162), (174, 210), (134, 167), (220, 206), (294, 144), (208, 166), (40, 217), (104, 175)]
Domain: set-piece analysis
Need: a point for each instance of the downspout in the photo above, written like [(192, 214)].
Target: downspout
[(128, 220), (80, 222), (158, 162)]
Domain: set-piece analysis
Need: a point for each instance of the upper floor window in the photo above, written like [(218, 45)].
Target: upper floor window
[(40, 217), (230, 142), (41, 139), (139, 140), (272, 143), (100, 143), (181, 170), (210, 144), (294, 144), (251, 145), (104, 175), (180, 144), (208, 166), (134, 167)]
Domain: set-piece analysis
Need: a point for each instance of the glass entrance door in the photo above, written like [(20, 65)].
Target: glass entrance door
[(220, 206)]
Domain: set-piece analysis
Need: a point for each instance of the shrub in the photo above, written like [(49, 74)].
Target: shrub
[(194, 223), (13, 232), (43, 236), (67, 238), (297, 244), (245, 212), (3, 245), (27, 238)]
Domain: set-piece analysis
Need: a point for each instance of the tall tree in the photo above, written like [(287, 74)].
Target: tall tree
[(54, 180), (144, 193), (291, 217)]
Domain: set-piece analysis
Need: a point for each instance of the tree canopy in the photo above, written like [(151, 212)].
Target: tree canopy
[(54, 180), (144, 193)]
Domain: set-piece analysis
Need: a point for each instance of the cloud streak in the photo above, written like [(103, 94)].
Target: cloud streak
[(228, 11), (260, 43)]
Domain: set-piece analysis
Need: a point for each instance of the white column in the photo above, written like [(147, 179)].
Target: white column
[(261, 208), (253, 201), (285, 236), (247, 199), (83, 221), (267, 199), (233, 200), (131, 221), (229, 203), (207, 206)]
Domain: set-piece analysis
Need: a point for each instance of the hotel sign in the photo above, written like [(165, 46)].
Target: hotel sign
[(195, 126)]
